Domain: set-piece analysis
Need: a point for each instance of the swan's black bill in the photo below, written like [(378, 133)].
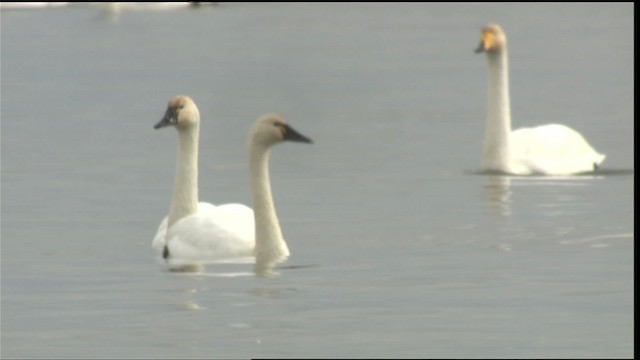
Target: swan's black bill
[(170, 118), (480, 48), (291, 134)]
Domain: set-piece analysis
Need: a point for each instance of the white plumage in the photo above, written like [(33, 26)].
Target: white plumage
[(212, 233), (195, 233), (198, 232), (552, 149)]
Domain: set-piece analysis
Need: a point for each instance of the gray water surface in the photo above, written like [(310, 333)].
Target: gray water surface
[(399, 248)]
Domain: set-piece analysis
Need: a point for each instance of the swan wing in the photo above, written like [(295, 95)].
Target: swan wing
[(552, 149), (213, 232), (237, 219), (159, 239)]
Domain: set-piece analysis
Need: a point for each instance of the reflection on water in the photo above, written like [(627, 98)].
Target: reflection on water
[(500, 189), (270, 292), (190, 302), (198, 268), (197, 290), (499, 194), (597, 241), (226, 268)]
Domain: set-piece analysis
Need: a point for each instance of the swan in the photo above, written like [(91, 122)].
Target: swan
[(552, 149), (195, 231), (30, 5), (270, 247)]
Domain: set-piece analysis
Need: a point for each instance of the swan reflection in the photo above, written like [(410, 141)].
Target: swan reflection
[(499, 194)]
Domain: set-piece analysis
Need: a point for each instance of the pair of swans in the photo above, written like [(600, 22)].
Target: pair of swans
[(552, 149), (196, 232)]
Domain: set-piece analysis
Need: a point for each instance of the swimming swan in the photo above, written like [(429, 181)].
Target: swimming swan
[(270, 247), (552, 149), (198, 230)]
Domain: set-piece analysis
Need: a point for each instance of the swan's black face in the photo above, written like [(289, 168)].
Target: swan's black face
[(271, 129), (290, 134), (181, 113), (170, 118)]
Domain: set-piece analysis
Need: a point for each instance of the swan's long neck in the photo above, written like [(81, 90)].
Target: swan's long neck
[(270, 246), (185, 190), (495, 154)]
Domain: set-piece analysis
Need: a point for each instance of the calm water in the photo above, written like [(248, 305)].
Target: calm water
[(399, 248)]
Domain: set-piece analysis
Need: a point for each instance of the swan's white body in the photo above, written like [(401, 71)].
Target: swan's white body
[(552, 149), (211, 233), (193, 232), (197, 232)]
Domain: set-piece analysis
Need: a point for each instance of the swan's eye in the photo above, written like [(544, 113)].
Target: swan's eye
[(174, 113), (281, 127)]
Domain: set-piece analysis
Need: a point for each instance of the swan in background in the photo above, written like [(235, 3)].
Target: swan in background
[(193, 231), (552, 149), (270, 247), (115, 8), (30, 5)]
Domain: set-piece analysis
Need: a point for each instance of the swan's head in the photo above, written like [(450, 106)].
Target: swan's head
[(492, 39), (181, 112), (271, 129)]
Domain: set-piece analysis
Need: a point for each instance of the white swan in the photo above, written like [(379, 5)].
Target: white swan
[(552, 149), (270, 247), (198, 231), (5, 5)]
